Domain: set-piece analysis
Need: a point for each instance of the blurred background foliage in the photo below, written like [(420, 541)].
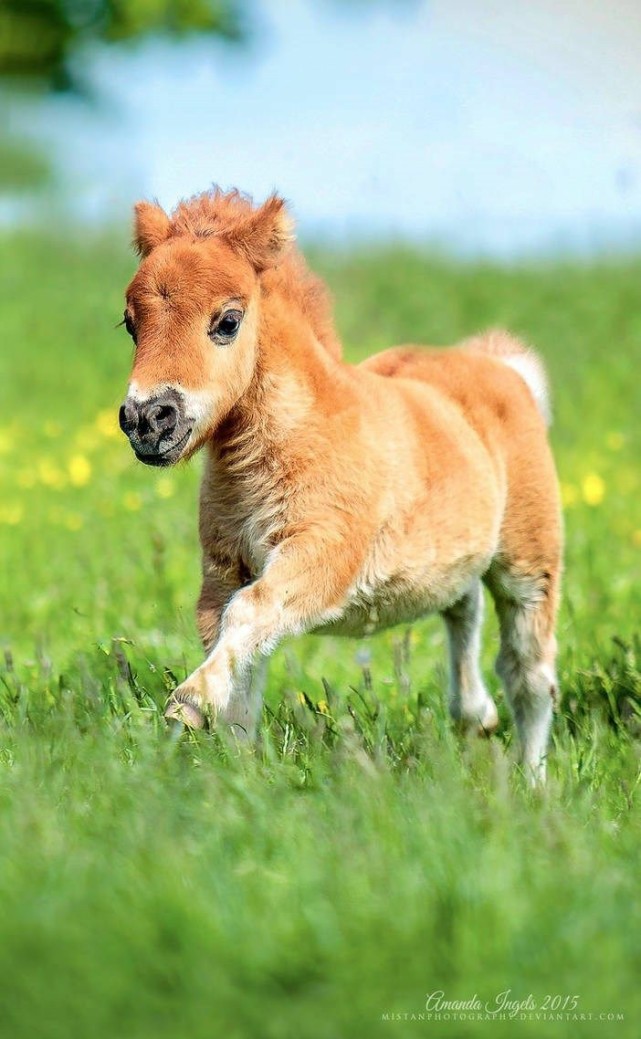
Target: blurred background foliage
[(41, 42), (39, 39)]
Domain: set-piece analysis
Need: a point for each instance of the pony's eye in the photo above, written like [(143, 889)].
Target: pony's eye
[(226, 327), (129, 325)]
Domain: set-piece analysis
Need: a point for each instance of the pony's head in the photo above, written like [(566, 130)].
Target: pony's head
[(192, 312)]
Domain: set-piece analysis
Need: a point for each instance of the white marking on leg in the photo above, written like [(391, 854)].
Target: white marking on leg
[(247, 629), (242, 712), (469, 700), (525, 665)]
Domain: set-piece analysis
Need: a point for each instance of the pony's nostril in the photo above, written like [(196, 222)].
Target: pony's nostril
[(128, 417), (162, 418), (151, 424)]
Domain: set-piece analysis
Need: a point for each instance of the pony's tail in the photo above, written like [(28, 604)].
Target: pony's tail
[(511, 351)]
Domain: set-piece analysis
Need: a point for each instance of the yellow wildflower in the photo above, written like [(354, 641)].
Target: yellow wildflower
[(300, 698), (593, 489), (165, 487), (50, 474), (79, 470), (132, 501), (569, 494), (107, 423), (322, 707), (11, 513)]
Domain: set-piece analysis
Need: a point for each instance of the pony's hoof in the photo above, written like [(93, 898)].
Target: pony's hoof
[(185, 713), (489, 722), (481, 722)]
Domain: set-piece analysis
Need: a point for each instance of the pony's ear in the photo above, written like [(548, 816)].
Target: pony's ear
[(264, 234), (151, 226)]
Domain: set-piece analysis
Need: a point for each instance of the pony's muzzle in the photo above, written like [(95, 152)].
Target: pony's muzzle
[(157, 427)]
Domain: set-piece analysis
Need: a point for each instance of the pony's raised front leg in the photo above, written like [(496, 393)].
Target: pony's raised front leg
[(303, 585), (469, 701), (241, 714), (220, 581)]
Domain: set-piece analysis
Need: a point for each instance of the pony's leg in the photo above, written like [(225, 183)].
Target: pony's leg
[(303, 585), (242, 713), (469, 701), (526, 606)]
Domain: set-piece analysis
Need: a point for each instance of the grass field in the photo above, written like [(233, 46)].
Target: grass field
[(361, 858)]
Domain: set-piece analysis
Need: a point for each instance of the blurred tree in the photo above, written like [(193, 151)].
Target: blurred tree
[(39, 38)]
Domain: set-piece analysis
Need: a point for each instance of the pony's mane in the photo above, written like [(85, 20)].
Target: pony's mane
[(211, 213), (218, 212)]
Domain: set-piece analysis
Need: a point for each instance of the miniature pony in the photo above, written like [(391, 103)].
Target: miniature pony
[(339, 499)]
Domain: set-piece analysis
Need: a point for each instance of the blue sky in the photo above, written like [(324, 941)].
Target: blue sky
[(483, 125)]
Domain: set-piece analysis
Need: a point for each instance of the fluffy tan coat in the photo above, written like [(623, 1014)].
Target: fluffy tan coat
[(339, 498)]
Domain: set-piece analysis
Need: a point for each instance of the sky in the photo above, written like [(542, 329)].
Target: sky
[(480, 125)]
